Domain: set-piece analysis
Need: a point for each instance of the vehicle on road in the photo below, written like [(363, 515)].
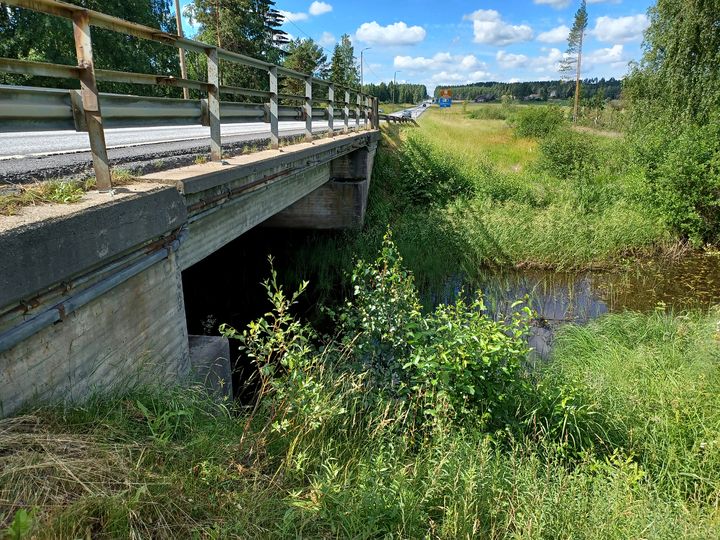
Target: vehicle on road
[(407, 114)]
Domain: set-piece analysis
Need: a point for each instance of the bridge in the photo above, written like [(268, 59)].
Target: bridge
[(91, 294)]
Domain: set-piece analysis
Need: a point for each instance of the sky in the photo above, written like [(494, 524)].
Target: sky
[(441, 42)]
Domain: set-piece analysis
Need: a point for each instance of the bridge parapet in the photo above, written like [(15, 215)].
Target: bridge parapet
[(86, 106)]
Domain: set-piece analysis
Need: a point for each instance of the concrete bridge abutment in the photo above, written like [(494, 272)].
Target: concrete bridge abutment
[(91, 296)]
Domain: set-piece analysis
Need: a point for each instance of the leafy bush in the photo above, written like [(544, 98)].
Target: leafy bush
[(568, 154), (537, 122), (683, 176), (455, 362)]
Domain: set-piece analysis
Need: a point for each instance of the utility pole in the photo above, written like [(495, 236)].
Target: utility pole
[(181, 51), (362, 78), (395, 84)]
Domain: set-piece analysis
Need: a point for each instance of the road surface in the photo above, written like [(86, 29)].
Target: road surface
[(39, 155)]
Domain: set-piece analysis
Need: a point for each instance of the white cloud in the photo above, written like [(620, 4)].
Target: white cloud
[(621, 29), (327, 39), (289, 16), (557, 4), (397, 33), (319, 8), (489, 28), (510, 61), (610, 55), (549, 62), (556, 35), (441, 61)]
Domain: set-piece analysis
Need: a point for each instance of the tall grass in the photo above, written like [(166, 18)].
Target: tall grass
[(461, 194), (622, 432)]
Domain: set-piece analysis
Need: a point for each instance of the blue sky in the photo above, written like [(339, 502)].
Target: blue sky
[(461, 41)]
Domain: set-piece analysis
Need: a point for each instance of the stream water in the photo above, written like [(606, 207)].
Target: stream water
[(692, 281), (226, 287)]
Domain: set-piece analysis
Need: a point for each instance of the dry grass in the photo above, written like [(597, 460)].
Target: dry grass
[(43, 468)]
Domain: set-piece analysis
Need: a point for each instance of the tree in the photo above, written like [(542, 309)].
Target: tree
[(680, 70), (29, 35), (573, 56), (343, 68), (249, 27), (305, 56)]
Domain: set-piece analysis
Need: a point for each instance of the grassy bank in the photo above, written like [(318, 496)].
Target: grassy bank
[(464, 191), (617, 438)]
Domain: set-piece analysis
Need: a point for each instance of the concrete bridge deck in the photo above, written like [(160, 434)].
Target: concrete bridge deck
[(91, 295)]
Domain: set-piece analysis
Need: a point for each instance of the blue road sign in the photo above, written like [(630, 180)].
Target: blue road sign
[(445, 102)]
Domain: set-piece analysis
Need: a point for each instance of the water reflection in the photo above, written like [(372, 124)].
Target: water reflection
[(560, 297)]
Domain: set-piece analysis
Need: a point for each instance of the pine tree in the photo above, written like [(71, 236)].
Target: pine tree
[(305, 56), (573, 56), (343, 68), (249, 27)]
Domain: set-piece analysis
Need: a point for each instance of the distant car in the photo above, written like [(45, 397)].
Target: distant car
[(407, 114), (424, 105)]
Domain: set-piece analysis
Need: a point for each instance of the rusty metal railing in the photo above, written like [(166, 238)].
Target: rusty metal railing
[(86, 103)]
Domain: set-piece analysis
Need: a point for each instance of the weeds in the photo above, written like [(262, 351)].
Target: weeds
[(50, 192), (615, 438)]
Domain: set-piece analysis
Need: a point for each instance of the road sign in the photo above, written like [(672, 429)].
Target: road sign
[(446, 93), (445, 102)]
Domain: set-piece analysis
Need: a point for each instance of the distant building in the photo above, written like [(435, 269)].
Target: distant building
[(533, 97), (485, 99)]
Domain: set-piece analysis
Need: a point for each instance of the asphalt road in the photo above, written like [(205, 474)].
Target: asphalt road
[(32, 156), (40, 155)]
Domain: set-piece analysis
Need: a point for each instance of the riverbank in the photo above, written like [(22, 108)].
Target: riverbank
[(465, 194), (616, 438)]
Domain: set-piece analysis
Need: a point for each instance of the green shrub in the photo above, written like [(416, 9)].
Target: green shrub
[(568, 154), (536, 122), (455, 362), (683, 177)]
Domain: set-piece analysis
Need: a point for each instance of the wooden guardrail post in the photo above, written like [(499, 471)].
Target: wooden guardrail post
[(308, 109), (214, 103), (331, 110), (346, 112), (357, 111), (91, 100), (274, 110)]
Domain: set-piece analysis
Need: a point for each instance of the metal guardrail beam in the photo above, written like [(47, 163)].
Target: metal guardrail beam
[(83, 107)]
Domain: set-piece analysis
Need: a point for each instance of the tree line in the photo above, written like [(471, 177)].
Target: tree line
[(397, 93), (542, 90)]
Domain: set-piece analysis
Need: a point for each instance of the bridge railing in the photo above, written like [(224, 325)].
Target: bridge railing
[(46, 107)]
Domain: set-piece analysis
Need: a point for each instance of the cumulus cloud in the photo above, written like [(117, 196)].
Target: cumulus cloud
[(556, 35), (440, 61), (327, 39), (620, 29), (443, 68), (397, 33), (510, 61), (315, 9), (319, 8), (610, 55), (489, 28), (289, 16)]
